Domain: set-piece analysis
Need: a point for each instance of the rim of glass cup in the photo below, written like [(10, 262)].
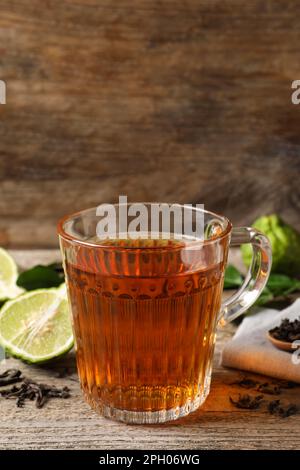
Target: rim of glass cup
[(192, 243)]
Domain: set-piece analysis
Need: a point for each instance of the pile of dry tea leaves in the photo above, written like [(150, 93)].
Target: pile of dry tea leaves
[(287, 330), (28, 389), (253, 402)]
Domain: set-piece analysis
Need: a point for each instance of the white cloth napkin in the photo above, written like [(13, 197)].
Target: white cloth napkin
[(251, 350)]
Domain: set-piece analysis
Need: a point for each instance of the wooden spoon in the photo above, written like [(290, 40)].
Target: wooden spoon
[(284, 345)]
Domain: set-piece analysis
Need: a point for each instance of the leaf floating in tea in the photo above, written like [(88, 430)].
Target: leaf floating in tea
[(247, 402)]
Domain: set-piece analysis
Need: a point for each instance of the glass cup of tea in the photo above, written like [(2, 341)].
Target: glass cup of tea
[(145, 312)]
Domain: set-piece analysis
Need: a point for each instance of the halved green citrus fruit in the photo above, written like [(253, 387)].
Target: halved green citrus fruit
[(8, 277), (36, 326)]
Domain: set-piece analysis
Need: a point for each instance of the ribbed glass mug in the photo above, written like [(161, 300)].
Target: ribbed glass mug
[(145, 313)]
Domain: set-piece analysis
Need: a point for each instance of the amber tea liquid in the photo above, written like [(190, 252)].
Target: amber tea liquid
[(144, 327)]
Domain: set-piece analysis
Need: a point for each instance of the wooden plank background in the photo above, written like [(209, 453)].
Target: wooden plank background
[(186, 101)]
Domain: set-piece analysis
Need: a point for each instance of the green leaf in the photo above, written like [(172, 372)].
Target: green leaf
[(233, 278), (39, 277), (278, 286), (281, 284), (58, 267), (265, 297)]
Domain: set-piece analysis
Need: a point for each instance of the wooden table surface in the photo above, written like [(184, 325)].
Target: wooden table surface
[(71, 424)]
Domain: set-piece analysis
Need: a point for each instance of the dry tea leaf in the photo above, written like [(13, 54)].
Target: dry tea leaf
[(30, 390), (247, 402), (10, 376)]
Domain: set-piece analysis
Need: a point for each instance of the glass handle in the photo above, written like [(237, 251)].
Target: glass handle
[(256, 277)]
